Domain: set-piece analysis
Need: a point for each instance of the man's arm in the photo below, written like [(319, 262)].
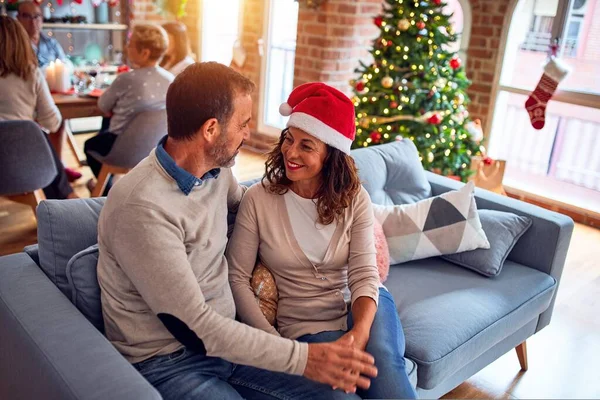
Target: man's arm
[(155, 261), (58, 50)]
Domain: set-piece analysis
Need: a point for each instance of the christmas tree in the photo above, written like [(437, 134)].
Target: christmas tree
[(415, 88)]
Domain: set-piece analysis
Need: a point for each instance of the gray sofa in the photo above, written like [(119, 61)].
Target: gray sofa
[(456, 321)]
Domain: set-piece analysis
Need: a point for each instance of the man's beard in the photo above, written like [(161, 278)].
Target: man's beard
[(219, 152)]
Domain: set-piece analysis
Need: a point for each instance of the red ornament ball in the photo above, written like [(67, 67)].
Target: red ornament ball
[(455, 63), (435, 119), (437, 2), (375, 137), (378, 21), (393, 104), (421, 25), (360, 86)]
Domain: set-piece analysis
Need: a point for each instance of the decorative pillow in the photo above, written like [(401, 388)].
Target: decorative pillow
[(445, 224), (85, 290), (265, 292), (503, 230), (383, 252)]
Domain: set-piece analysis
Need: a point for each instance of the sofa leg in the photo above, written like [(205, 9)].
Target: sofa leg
[(522, 354)]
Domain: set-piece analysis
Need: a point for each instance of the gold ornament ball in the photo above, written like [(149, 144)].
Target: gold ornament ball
[(364, 122), (387, 82), (403, 24), (460, 98), (430, 157), (450, 29)]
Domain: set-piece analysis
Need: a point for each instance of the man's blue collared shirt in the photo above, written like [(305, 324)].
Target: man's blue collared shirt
[(48, 49), (184, 179)]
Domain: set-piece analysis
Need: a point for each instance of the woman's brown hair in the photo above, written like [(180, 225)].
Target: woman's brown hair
[(178, 32), (16, 54), (339, 186)]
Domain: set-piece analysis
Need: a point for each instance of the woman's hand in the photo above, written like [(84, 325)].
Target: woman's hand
[(361, 338)]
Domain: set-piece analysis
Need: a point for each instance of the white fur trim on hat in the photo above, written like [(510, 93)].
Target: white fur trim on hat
[(320, 130), (285, 109)]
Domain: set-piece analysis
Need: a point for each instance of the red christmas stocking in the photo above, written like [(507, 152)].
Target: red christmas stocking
[(554, 72)]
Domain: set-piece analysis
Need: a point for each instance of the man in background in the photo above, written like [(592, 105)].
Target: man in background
[(45, 48)]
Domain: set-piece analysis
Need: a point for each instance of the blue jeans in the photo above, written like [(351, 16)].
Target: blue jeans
[(186, 375), (386, 345)]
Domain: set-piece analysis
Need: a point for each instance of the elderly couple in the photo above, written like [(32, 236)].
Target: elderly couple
[(172, 282)]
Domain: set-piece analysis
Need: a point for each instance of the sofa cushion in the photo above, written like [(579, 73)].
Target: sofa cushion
[(451, 315), (65, 227), (503, 230), (392, 173), (85, 290), (445, 224)]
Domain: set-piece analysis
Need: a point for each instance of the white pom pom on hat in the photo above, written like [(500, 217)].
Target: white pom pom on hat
[(285, 109)]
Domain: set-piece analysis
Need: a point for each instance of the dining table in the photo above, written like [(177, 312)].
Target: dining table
[(75, 106)]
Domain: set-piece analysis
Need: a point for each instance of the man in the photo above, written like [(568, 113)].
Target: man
[(162, 235), (46, 48)]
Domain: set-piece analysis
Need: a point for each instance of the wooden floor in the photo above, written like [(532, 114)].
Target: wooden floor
[(563, 358)]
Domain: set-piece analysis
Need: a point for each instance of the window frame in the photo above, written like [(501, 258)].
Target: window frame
[(559, 28), (264, 48)]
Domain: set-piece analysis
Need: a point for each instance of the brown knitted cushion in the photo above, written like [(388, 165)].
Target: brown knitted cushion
[(265, 292)]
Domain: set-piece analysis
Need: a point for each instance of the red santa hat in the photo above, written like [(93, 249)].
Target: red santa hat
[(323, 112)]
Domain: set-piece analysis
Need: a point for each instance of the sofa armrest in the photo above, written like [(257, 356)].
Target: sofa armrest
[(49, 350), (543, 247), (33, 252)]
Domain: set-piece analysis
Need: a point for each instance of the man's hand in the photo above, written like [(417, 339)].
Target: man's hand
[(340, 365)]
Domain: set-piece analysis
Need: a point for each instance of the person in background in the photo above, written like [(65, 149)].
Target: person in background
[(179, 54), (25, 96), (142, 89), (45, 48)]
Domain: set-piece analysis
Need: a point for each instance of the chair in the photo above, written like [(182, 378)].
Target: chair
[(26, 162), (134, 144)]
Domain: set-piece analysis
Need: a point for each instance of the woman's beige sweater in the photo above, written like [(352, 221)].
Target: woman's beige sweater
[(312, 298)]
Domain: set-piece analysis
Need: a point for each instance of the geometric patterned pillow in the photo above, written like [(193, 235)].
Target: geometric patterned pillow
[(445, 224)]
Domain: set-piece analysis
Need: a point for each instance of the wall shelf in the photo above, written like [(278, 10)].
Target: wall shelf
[(75, 26)]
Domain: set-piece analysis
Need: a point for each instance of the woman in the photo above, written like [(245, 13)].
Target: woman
[(25, 96), (142, 89), (311, 223), (179, 54)]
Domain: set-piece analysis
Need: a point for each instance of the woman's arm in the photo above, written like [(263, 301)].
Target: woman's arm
[(241, 256), (47, 114), (108, 100), (363, 314), (363, 278)]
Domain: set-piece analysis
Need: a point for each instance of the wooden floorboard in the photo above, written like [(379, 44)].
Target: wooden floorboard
[(563, 357)]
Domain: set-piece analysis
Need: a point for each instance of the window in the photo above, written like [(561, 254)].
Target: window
[(461, 21), (566, 151), (220, 29), (277, 74)]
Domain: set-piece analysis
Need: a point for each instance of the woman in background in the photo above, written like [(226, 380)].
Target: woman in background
[(25, 96), (179, 54), (142, 89)]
